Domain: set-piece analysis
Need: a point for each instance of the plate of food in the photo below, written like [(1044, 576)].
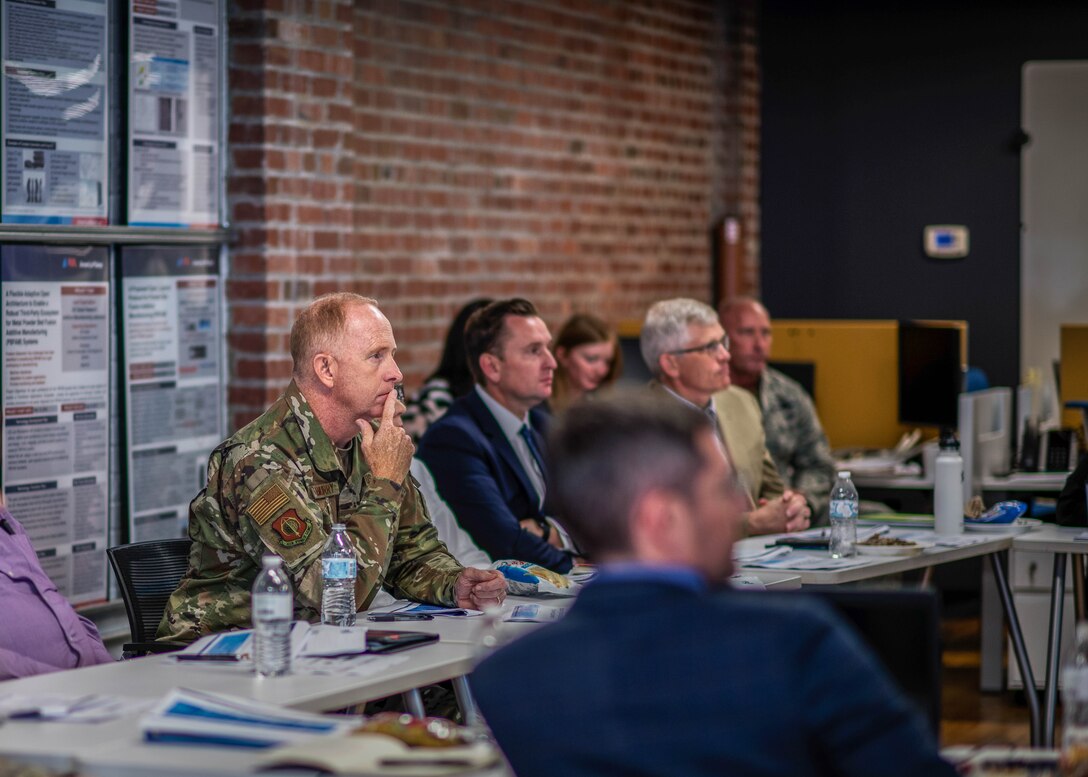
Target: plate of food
[(883, 545), (390, 743), (1019, 526)]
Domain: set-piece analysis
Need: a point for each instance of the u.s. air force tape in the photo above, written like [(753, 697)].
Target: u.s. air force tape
[(268, 504)]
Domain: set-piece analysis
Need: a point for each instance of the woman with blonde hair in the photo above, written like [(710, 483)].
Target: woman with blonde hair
[(588, 354)]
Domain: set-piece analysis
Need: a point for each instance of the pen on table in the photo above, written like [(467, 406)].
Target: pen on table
[(206, 657), (386, 617)]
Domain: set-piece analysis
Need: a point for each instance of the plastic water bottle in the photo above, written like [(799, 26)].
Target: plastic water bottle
[(273, 609), (338, 577), (1075, 707), (948, 487), (844, 517)]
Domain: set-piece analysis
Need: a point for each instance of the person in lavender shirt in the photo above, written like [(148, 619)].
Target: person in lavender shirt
[(50, 636)]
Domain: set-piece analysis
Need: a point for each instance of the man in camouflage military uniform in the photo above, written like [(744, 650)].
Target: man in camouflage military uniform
[(327, 451), (794, 437)]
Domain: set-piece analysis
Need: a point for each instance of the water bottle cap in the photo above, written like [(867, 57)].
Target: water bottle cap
[(339, 527), (948, 440), (271, 560), (844, 474)]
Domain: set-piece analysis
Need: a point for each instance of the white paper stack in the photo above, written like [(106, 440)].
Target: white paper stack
[(197, 717)]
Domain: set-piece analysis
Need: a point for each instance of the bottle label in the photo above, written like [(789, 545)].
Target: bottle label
[(338, 568), (843, 508), (272, 607)]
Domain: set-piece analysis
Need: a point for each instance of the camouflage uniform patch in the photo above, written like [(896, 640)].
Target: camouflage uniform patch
[(292, 529), (796, 440), (269, 503), (285, 459)]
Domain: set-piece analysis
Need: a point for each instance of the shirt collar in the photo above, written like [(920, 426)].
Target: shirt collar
[(508, 422), (8, 524), (709, 408), (317, 442), (636, 572)]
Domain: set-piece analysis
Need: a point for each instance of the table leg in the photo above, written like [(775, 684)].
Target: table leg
[(927, 578), (993, 638), (470, 713), (997, 563), (1054, 648), (413, 702), (1078, 587)]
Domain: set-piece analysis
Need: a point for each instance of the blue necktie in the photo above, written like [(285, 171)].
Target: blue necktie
[(530, 438)]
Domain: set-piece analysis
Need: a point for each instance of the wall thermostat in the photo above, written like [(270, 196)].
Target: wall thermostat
[(946, 241)]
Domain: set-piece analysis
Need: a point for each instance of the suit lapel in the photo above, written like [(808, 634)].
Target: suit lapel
[(491, 429)]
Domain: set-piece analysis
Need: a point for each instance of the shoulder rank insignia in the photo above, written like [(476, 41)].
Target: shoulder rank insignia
[(268, 504), (292, 529)]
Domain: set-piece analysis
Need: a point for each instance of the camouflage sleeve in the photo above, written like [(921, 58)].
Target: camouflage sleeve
[(813, 465), (422, 568), (214, 595), (277, 514)]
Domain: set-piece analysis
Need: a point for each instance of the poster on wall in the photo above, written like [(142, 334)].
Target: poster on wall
[(55, 388), (175, 94), (173, 392), (54, 104)]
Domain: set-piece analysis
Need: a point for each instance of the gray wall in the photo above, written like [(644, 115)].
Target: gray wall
[(879, 118)]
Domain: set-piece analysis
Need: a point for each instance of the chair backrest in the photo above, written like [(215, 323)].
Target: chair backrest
[(902, 627), (148, 572)]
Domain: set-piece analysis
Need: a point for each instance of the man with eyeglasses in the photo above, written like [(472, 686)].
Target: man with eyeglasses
[(686, 349)]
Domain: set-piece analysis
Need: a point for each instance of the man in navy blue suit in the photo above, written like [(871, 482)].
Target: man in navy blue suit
[(486, 452), (655, 671)]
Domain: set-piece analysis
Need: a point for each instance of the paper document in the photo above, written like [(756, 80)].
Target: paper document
[(434, 609), (747, 581), (235, 645), (197, 717), (91, 708), (363, 665), (324, 641), (747, 558), (803, 561), (306, 640), (534, 613)]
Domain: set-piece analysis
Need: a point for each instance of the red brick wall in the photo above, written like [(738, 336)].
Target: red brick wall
[(426, 152)]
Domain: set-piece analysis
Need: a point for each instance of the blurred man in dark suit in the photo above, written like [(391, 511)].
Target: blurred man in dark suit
[(656, 670)]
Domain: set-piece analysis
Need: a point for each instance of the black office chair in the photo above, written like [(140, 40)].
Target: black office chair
[(148, 572), (902, 627)]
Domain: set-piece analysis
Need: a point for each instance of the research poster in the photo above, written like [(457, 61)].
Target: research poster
[(175, 95), (56, 383), (54, 107), (171, 329)]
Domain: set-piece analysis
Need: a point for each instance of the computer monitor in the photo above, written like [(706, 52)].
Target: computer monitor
[(903, 629), (635, 371), (931, 373), (802, 372)]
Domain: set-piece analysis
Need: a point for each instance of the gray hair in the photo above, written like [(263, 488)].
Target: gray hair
[(666, 327)]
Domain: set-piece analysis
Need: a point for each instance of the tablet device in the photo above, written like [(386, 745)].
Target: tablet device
[(382, 641)]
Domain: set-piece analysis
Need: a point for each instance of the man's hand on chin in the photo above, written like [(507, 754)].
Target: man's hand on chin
[(388, 451), (479, 589)]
